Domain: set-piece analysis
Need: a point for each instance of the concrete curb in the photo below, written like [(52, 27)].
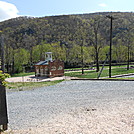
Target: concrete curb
[(104, 79), (114, 78)]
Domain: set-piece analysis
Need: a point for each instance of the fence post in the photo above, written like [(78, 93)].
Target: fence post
[(3, 108)]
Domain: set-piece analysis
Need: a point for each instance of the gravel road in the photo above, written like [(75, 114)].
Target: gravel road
[(60, 108)]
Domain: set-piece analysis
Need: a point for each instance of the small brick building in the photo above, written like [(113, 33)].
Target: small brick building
[(49, 68)]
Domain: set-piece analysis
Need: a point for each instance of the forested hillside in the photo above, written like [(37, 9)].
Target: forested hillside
[(72, 38)]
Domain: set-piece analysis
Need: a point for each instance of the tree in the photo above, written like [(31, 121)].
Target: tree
[(80, 38), (95, 38), (119, 50), (39, 51), (59, 52), (21, 58), (29, 42)]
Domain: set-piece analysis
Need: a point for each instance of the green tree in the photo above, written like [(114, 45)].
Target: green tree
[(21, 58), (120, 51), (95, 37), (39, 51), (59, 52)]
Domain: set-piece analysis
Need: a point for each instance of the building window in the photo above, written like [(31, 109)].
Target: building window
[(60, 68), (53, 68)]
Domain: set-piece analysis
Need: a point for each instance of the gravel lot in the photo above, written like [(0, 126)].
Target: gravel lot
[(73, 107)]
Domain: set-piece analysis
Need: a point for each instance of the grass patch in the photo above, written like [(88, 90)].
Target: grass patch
[(119, 71), (87, 74), (21, 86), (116, 66), (122, 78), (105, 73), (33, 73), (23, 74)]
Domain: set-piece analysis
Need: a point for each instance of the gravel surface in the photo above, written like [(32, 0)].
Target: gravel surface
[(73, 107)]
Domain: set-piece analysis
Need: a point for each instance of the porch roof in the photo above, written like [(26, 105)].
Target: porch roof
[(42, 63)]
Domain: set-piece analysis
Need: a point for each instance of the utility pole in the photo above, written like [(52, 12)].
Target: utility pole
[(128, 53), (110, 49), (128, 49)]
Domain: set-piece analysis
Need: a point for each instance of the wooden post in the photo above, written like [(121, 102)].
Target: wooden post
[(3, 108), (111, 36)]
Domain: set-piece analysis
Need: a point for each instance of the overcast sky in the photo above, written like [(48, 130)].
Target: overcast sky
[(39, 8)]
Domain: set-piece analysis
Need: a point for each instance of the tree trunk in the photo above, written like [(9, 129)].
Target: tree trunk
[(82, 60), (128, 58), (31, 55), (97, 62)]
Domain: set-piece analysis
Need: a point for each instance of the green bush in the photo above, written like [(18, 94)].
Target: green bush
[(3, 76)]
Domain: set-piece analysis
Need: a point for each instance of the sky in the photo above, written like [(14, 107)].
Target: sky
[(40, 8)]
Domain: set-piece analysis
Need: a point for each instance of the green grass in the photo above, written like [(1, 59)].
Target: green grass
[(87, 74), (116, 70), (122, 78), (76, 68), (21, 86), (23, 74), (33, 73), (120, 71), (105, 73), (100, 67)]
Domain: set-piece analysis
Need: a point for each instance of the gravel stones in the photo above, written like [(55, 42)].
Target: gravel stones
[(32, 109)]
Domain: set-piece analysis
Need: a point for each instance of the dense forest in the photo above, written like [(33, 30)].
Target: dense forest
[(75, 39)]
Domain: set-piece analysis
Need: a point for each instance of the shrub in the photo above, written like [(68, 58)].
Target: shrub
[(3, 76)]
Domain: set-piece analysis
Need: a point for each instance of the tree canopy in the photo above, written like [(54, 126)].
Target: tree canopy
[(26, 39)]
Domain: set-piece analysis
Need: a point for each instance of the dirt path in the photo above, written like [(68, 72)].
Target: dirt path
[(32, 78)]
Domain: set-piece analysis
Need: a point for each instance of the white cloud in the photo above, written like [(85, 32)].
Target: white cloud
[(102, 5), (7, 11)]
